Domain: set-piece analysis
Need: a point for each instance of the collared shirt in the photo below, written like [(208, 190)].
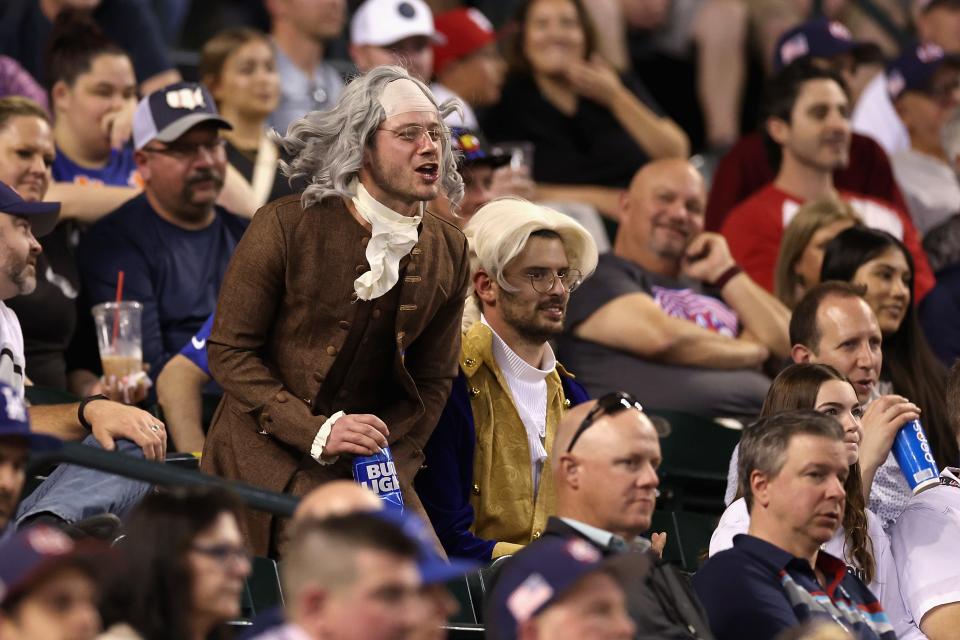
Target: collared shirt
[(301, 93), (756, 590), (605, 539), (528, 389), (924, 544)]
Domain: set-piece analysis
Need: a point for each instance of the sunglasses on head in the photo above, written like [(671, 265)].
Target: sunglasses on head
[(610, 405)]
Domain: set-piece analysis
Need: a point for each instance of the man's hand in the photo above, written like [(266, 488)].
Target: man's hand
[(358, 434), (658, 541), (707, 257), (112, 421), (881, 421), (508, 181), (126, 389), (595, 80)]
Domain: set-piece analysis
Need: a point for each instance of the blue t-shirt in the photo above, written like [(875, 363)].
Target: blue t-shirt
[(120, 170), (174, 272), (196, 349)]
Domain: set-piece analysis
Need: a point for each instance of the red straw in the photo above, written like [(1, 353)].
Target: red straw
[(116, 312)]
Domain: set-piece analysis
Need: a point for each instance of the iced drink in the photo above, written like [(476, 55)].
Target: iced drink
[(119, 338)]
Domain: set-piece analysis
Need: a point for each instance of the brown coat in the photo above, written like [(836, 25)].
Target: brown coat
[(283, 315)]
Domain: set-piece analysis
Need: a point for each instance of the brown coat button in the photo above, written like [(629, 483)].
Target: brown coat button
[(376, 313), (331, 350), (343, 324), (318, 377), (361, 268), (281, 397), (364, 241), (476, 489)]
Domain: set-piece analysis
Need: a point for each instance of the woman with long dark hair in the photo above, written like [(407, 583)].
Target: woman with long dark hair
[(183, 563), (860, 540), (591, 128), (881, 263)]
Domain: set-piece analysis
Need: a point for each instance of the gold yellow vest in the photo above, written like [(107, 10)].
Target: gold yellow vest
[(502, 496)]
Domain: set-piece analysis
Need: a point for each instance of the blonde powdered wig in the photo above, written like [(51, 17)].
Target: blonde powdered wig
[(499, 231)]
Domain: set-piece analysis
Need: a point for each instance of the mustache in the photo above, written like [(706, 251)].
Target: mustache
[(202, 175)]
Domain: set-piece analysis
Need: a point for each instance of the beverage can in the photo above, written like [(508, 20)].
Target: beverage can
[(379, 474), (912, 451)]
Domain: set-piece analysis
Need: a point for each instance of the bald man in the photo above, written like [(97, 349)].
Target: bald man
[(669, 312), (604, 462)]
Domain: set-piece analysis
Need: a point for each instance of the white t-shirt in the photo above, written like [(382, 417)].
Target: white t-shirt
[(885, 585), (925, 547), (929, 186), (12, 361), (875, 116)]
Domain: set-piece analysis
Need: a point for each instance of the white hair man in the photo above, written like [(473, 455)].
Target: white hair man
[(483, 485), (340, 312)]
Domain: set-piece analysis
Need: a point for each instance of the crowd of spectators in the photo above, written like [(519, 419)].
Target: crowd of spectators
[(469, 259)]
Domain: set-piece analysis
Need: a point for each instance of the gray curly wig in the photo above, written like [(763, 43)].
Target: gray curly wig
[(326, 147)]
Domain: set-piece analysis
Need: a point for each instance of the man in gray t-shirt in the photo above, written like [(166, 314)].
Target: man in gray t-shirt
[(669, 316)]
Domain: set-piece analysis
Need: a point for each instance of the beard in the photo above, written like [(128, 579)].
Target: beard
[(527, 321), (23, 276)]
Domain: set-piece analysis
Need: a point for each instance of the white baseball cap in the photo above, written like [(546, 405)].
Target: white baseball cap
[(384, 22)]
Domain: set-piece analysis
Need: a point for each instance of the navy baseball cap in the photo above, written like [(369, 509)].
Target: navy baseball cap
[(537, 577), (15, 422), (168, 113), (915, 68), (32, 554), (42, 215), (475, 149), (820, 37), (433, 569)]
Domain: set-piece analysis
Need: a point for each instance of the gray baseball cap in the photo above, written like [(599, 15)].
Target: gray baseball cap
[(168, 113)]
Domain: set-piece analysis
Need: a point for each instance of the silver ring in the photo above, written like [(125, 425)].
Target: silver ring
[(155, 427)]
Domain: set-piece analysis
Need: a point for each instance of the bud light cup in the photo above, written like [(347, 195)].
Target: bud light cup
[(912, 451), (379, 474)]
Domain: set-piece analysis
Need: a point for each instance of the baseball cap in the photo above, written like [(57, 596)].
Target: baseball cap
[(460, 32), (537, 577), (821, 37), (168, 113), (42, 215), (15, 421), (33, 553), (914, 69), (474, 148), (383, 22), (433, 569)]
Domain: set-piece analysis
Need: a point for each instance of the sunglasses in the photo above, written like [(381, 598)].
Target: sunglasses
[(610, 405)]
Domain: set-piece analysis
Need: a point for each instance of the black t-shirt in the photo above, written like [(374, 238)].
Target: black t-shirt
[(131, 24), (589, 147)]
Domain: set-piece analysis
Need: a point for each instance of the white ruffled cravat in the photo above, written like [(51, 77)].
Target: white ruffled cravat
[(392, 237)]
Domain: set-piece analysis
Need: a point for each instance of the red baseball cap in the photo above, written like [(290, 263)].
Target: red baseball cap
[(460, 32)]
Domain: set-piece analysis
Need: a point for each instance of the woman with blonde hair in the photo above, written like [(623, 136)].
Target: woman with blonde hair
[(804, 240)]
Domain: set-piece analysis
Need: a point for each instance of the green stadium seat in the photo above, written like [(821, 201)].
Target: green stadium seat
[(461, 590), (264, 584)]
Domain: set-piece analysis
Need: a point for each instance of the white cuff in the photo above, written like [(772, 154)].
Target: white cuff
[(320, 441)]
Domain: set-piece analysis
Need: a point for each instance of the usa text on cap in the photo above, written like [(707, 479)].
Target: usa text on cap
[(168, 113)]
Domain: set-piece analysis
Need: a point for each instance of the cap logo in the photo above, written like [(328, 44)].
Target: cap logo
[(406, 10), (49, 542), (480, 20), (928, 53), (583, 551), (186, 98), (795, 47), (839, 31), (529, 596), (13, 405)]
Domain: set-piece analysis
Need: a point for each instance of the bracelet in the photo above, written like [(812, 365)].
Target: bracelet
[(83, 405), (725, 277)]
